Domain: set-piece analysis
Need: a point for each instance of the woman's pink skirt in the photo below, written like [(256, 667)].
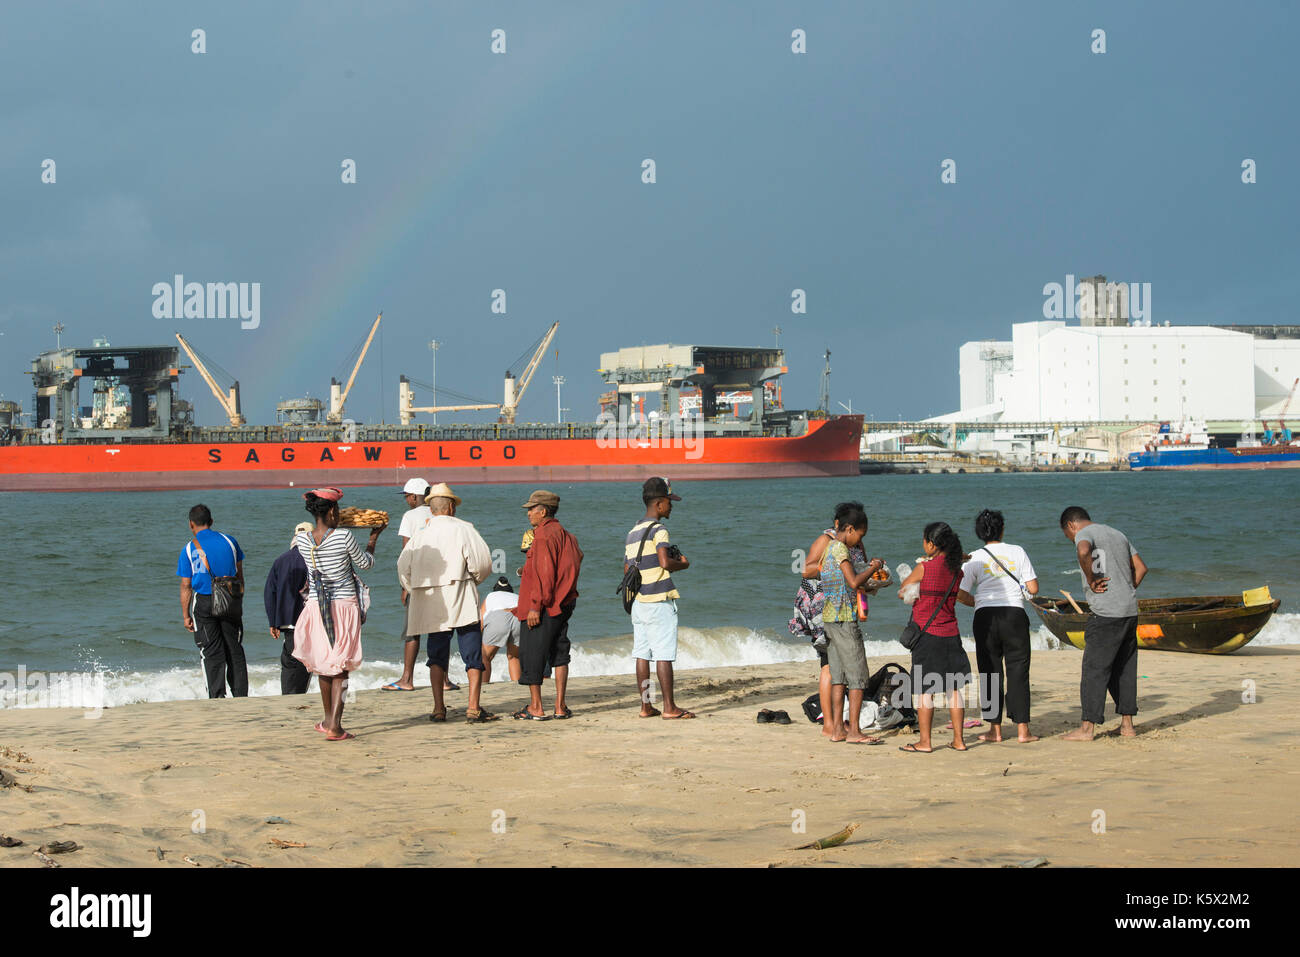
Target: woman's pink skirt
[(311, 644)]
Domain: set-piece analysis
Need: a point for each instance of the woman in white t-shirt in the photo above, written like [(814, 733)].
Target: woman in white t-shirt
[(999, 574)]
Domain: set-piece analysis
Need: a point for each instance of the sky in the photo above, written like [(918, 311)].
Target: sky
[(523, 171)]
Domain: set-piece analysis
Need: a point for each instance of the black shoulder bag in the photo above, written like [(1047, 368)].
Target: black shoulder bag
[(630, 586), (911, 636)]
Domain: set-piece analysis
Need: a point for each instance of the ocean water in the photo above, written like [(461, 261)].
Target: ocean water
[(88, 586)]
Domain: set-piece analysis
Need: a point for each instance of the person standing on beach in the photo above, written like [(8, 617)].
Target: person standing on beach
[(220, 639), (844, 652), (808, 602), (327, 635), (284, 603), (997, 575), (441, 568), (654, 611), (940, 666), (1113, 570), (548, 592), (417, 515)]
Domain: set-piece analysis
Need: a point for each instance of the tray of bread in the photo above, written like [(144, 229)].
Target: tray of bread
[(362, 518)]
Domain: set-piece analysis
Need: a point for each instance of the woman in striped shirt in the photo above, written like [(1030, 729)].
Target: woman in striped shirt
[(327, 635)]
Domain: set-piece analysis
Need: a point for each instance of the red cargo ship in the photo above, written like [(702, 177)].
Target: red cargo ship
[(121, 445)]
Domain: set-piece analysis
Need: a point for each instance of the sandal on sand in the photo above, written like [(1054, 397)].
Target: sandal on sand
[(654, 713), (481, 716), (345, 736), (525, 713), (439, 716), (913, 749), (868, 741), (959, 750), (394, 686), (320, 726), (561, 715), (450, 686), (683, 714)]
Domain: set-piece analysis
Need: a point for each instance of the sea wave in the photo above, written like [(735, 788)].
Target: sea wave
[(698, 648)]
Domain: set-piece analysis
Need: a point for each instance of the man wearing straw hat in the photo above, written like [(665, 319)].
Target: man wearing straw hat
[(441, 568)]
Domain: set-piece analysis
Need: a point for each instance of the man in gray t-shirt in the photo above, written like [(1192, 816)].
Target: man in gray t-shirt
[(1113, 570)]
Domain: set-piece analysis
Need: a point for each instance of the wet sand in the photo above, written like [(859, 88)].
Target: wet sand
[(1209, 781)]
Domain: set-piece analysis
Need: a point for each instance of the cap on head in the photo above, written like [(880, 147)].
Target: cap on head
[(658, 488), (328, 494), (442, 490), (415, 486), (542, 497)]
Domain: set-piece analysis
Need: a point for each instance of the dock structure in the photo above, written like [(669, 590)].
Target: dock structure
[(143, 372)]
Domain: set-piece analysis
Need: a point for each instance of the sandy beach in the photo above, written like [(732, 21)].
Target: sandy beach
[(1209, 781)]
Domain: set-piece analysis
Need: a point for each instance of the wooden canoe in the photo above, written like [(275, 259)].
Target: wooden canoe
[(1201, 625)]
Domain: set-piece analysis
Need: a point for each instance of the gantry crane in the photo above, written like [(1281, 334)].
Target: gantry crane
[(340, 397), (229, 402), (514, 390)]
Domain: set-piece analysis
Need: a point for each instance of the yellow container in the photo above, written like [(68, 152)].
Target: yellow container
[(1256, 596)]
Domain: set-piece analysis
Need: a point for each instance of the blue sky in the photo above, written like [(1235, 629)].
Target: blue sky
[(522, 171)]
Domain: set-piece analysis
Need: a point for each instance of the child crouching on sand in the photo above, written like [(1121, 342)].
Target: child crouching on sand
[(845, 654)]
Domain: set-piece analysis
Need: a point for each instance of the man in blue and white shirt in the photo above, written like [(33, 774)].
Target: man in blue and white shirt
[(220, 639)]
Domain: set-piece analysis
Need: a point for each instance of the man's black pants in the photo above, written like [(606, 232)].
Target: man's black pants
[(1002, 634), (548, 643), (293, 673), (221, 647), (1110, 654)]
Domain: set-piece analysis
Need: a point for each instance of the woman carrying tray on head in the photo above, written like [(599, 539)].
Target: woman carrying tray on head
[(327, 637)]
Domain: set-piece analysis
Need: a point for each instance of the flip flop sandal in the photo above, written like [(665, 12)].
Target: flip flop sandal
[(654, 713), (345, 736), (479, 717), (561, 715), (958, 750), (320, 726), (449, 686), (394, 686), (675, 717), (528, 715), (870, 742), (913, 749), (439, 716)]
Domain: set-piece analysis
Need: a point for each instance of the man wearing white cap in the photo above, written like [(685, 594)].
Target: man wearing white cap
[(441, 568), (416, 517)]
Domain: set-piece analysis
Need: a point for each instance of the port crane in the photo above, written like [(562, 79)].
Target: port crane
[(339, 397), (513, 391), (229, 401)]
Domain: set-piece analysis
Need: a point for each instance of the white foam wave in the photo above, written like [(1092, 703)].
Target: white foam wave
[(697, 649)]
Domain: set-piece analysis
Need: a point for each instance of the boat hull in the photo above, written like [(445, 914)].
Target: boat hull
[(1258, 457), (829, 448), (1172, 624)]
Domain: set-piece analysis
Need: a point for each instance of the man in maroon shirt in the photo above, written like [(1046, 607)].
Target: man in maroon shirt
[(547, 593)]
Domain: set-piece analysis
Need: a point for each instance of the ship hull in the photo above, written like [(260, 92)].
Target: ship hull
[(830, 448), (1259, 457)]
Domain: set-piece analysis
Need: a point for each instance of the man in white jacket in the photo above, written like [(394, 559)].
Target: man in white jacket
[(441, 567)]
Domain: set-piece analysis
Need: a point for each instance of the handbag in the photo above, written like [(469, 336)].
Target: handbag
[(911, 636), (226, 590), (630, 586)]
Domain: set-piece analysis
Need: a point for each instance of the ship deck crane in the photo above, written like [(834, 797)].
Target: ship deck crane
[(1281, 416), (338, 398), (229, 402), (514, 390)]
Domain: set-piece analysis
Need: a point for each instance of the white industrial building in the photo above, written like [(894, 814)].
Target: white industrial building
[(1051, 372)]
